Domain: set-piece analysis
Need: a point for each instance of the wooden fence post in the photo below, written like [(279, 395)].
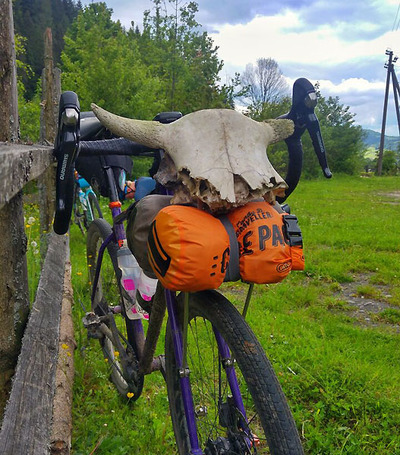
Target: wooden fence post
[(9, 125), (51, 91), (14, 297)]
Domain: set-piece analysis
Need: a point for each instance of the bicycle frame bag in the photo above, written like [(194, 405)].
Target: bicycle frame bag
[(138, 226), (191, 250), (92, 168)]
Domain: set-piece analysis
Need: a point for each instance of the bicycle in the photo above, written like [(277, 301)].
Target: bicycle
[(216, 408), (86, 205)]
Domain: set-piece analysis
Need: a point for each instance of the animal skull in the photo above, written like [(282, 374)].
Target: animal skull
[(219, 154)]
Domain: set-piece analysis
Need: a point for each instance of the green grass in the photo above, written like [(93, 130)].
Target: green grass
[(340, 375)]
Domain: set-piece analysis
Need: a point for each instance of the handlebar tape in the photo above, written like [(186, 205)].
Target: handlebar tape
[(118, 146), (318, 144), (295, 165)]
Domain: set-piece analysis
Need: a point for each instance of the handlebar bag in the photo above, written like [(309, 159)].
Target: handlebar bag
[(191, 250), (92, 168)]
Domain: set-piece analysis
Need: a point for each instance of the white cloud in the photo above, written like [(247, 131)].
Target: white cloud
[(352, 86), (274, 37)]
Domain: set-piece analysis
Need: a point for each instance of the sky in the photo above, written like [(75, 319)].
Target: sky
[(339, 43)]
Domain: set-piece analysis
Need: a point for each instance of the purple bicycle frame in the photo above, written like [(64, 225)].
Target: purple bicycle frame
[(119, 234)]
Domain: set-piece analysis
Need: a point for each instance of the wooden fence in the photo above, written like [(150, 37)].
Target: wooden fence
[(37, 416)]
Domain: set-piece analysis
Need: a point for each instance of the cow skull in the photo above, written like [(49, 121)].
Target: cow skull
[(219, 155)]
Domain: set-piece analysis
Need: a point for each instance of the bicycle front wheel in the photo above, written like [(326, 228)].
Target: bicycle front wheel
[(269, 427), (120, 350)]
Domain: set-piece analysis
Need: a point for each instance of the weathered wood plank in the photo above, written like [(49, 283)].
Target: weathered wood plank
[(62, 407), (14, 296), (27, 420), (8, 75), (20, 164), (51, 91)]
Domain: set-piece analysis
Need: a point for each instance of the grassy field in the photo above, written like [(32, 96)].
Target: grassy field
[(331, 332)]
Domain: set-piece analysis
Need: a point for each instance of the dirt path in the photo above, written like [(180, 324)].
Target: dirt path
[(365, 307)]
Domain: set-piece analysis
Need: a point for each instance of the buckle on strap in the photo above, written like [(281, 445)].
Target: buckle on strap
[(292, 230)]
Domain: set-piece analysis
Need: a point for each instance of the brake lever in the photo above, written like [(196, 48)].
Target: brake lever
[(303, 116), (314, 131), (65, 151)]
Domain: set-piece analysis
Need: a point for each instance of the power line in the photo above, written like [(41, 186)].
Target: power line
[(395, 19)]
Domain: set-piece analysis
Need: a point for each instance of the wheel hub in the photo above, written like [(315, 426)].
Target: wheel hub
[(234, 445)]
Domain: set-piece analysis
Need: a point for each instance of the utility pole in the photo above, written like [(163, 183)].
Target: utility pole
[(390, 74)]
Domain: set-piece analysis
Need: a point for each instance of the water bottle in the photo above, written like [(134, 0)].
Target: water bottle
[(130, 270), (147, 286)]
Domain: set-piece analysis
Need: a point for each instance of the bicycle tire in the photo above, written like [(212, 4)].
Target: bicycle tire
[(95, 209), (129, 380), (267, 399)]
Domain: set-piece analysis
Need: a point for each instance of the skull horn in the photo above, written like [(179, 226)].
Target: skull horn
[(144, 132), (280, 129)]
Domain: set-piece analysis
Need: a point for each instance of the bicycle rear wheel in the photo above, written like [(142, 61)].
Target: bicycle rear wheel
[(220, 425), (124, 365)]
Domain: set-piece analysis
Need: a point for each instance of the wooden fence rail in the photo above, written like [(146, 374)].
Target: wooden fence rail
[(32, 423)]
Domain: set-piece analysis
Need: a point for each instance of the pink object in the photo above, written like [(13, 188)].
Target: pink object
[(129, 284)]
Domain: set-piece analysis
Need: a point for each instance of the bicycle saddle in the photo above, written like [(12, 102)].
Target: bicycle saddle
[(219, 154)]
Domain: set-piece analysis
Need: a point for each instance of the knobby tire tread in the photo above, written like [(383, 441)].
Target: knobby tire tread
[(268, 397)]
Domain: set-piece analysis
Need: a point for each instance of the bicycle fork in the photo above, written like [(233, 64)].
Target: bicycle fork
[(179, 340)]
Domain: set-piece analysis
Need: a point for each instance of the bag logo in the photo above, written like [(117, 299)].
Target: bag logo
[(282, 268)]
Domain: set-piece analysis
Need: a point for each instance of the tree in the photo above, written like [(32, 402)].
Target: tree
[(31, 18), (28, 111), (103, 65), (183, 57), (390, 162), (342, 138), (263, 84), (277, 153)]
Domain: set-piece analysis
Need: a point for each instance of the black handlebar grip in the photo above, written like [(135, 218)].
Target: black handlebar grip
[(118, 146), (318, 144), (295, 165)]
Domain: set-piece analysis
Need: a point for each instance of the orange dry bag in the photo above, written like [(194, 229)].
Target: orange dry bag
[(191, 250), (188, 249), (264, 236)]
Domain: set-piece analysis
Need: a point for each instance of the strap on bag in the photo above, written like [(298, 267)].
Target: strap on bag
[(233, 270)]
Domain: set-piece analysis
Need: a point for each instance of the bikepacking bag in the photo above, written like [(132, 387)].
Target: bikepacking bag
[(191, 250), (140, 217)]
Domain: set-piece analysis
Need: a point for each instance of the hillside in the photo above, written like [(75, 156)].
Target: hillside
[(372, 139)]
